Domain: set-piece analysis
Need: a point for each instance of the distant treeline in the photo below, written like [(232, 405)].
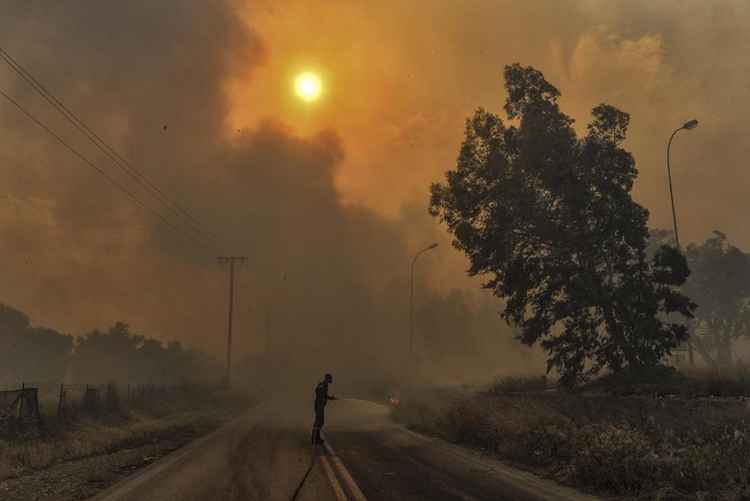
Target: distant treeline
[(29, 353)]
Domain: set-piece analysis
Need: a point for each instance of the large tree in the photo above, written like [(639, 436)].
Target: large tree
[(720, 284), (123, 356), (30, 354), (550, 219)]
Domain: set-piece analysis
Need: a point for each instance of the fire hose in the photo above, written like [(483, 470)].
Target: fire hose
[(307, 473)]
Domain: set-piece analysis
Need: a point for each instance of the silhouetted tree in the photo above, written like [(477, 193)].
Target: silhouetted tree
[(32, 354), (550, 217), (657, 238), (123, 356), (47, 353), (106, 355), (720, 284)]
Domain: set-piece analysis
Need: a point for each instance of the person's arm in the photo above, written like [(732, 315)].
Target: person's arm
[(331, 397)]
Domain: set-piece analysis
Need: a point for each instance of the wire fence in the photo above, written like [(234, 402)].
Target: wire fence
[(24, 406)]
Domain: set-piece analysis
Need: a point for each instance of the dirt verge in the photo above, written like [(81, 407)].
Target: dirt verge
[(92, 456)]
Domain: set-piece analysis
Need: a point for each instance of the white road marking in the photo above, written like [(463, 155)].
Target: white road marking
[(345, 475), (337, 490)]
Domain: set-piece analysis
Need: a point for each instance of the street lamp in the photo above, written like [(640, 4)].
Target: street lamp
[(692, 124), (411, 302)]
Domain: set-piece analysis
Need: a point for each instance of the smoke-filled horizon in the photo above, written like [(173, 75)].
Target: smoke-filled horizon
[(327, 200)]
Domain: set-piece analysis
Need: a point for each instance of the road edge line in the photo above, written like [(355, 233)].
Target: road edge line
[(345, 475), (335, 485)]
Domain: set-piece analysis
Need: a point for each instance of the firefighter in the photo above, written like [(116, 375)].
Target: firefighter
[(321, 399)]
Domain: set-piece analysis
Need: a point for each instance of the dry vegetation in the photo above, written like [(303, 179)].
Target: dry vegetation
[(179, 414), (680, 438)]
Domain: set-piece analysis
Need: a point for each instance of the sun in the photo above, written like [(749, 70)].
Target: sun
[(308, 86)]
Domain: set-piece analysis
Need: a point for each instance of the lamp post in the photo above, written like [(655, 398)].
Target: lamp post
[(692, 124), (411, 306)]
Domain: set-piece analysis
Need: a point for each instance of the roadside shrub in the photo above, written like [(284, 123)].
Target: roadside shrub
[(658, 380), (518, 384), (719, 386), (420, 416), (470, 421), (613, 458), (715, 459), (544, 445), (645, 447)]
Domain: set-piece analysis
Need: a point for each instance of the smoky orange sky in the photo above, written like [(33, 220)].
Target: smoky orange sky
[(327, 199), (402, 76)]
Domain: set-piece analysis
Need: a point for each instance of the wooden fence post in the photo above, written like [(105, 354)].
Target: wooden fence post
[(20, 404), (60, 404)]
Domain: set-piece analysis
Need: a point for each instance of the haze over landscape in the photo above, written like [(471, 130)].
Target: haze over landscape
[(328, 199), (365, 250)]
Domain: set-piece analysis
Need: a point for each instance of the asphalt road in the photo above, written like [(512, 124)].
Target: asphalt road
[(266, 454)]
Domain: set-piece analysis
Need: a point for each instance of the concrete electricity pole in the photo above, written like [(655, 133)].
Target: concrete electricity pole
[(231, 260)]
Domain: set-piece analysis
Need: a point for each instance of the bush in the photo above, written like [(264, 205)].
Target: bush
[(651, 448), (470, 422), (616, 459), (719, 386), (719, 459), (659, 379), (543, 445), (518, 384)]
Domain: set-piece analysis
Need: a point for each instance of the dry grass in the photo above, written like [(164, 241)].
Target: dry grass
[(89, 436), (638, 446)]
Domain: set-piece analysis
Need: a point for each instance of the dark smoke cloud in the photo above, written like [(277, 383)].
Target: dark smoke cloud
[(329, 220), (327, 280), (83, 251)]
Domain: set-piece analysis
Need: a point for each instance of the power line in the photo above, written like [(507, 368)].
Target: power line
[(95, 139), (99, 169), (102, 145)]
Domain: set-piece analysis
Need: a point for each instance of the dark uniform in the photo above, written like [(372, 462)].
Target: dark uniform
[(321, 399)]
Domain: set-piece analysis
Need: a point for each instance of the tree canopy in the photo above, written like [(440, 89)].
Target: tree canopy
[(123, 356), (42, 355), (720, 284), (30, 353), (549, 217)]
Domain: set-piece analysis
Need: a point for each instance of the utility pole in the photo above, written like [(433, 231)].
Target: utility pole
[(231, 260)]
